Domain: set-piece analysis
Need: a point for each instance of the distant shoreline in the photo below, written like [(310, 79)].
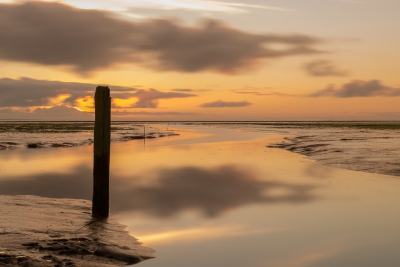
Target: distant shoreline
[(62, 134), (209, 121), (367, 146)]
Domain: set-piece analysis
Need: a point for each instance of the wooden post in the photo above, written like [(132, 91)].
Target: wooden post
[(101, 166)]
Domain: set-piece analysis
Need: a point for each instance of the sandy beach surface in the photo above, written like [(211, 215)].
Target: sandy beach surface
[(228, 195), (375, 151), (44, 232)]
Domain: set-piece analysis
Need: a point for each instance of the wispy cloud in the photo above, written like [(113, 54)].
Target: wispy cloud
[(322, 68), (196, 5), (148, 98), (183, 90), (189, 90), (84, 41), (132, 113), (258, 93), (242, 5), (225, 104), (358, 89)]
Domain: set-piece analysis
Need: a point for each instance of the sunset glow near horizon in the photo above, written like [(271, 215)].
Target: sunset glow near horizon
[(201, 60)]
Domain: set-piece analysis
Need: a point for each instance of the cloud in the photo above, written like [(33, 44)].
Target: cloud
[(358, 89), (26, 92), (183, 90), (243, 5), (189, 90), (224, 104), (55, 113), (55, 34), (125, 113), (211, 191), (61, 112), (179, 5), (10, 114), (245, 92), (201, 5), (149, 98), (257, 93), (322, 68)]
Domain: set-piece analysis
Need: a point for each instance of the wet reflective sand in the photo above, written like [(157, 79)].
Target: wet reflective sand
[(219, 197), (47, 232)]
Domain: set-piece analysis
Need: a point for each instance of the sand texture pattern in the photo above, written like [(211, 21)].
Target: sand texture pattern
[(374, 151), (37, 231)]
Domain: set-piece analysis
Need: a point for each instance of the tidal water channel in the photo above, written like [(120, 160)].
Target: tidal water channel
[(215, 196)]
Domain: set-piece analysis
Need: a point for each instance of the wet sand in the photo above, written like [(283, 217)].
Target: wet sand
[(373, 151), (44, 232), (14, 135)]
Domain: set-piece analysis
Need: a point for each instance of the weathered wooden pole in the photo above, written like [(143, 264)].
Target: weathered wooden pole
[(101, 166)]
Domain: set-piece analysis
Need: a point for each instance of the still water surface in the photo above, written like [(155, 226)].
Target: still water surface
[(220, 197)]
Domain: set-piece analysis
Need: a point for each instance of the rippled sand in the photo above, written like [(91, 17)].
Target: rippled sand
[(375, 151)]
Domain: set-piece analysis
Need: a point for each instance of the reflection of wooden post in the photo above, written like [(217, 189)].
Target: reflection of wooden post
[(101, 166)]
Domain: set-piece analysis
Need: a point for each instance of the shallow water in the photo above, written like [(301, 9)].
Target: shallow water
[(221, 197)]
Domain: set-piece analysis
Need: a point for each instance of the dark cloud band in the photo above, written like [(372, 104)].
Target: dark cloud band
[(26, 92), (55, 34)]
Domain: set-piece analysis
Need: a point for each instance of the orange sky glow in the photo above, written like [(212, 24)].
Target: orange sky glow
[(201, 60)]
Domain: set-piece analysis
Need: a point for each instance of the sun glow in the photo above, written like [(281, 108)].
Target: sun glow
[(203, 233), (59, 99), (124, 103), (85, 103)]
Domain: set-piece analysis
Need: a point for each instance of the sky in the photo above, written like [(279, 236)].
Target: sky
[(176, 60)]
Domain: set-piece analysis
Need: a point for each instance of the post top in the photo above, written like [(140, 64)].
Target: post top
[(102, 91), (102, 87)]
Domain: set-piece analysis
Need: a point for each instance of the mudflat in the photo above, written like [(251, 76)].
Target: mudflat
[(41, 232)]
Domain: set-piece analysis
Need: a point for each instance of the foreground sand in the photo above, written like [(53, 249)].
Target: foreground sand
[(37, 231)]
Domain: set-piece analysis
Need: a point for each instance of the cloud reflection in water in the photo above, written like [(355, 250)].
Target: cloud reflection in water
[(211, 191), (76, 184)]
